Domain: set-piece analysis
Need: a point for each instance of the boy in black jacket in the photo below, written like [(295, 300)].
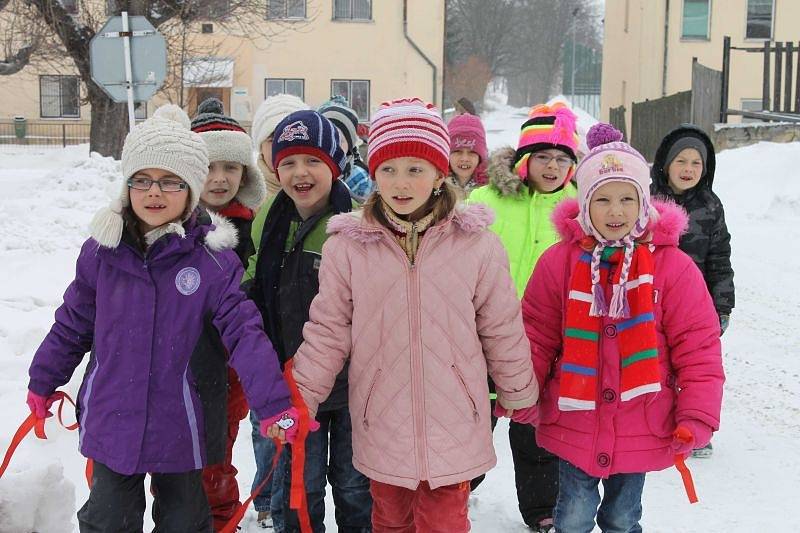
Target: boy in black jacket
[(683, 171)]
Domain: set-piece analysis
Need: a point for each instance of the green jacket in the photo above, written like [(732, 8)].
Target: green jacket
[(522, 219), (255, 233)]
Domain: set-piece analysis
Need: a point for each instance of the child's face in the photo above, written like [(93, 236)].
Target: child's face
[(266, 153), (222, 184), (685, 170), (152, 205), (307, 180), (463, 163), (614, 209), (406, 183), (548, 169)]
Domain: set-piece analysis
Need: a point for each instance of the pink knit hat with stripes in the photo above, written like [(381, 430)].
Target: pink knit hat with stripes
[(408, 128), (548, 126)]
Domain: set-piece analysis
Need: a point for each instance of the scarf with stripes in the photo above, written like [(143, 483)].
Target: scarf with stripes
[(630, 271)]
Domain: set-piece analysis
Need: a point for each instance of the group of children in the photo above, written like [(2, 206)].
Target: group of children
[(417, 299)]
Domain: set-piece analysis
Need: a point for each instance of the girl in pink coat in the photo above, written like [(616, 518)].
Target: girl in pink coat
[(624, 339), (415, 294)]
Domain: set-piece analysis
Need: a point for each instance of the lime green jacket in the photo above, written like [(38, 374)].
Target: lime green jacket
[(255, 232), (522, 219)]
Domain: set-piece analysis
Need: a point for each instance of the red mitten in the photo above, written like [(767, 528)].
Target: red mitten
[(39, 405), (528, 415), (690, 435), (288, 421), (499, 410)]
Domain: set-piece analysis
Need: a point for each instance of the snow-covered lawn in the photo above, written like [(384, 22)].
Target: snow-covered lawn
[(49, 195)]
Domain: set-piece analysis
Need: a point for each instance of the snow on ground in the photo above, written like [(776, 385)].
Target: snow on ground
[(49, 196)]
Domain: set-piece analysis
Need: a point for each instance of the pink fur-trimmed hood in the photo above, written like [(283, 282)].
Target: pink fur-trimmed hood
[(667, 223), (471, 218)]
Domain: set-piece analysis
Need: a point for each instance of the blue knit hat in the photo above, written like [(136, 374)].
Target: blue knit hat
[(308, 132)]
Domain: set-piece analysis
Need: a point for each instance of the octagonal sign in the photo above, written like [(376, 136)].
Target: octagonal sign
[(148, 59)]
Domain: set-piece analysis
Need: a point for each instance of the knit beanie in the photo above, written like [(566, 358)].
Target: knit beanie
[(308, 132), (466, 131), (226, 140), (408, 128), (343, 117), (609, 159), (548, 126), (682, 143), (165, 142), (269, 113)]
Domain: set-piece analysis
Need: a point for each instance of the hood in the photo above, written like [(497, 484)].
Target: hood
[(658, 173), (471, 218), (501, 175), (667, 223)]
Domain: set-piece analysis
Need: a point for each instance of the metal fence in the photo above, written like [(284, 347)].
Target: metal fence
[(43, 133)]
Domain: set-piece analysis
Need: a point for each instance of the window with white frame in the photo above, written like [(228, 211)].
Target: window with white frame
[(356, 92), (286, 9), (696, 19), (352, 9), (293, 86), (59, 96), (759, 19)]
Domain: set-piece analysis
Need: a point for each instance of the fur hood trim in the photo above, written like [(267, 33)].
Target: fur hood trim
[(501, 174)]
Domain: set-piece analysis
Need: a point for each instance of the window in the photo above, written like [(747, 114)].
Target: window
[(206, 27), (352, 9), (70, 6), (286, 9), (59, 97), (759, 19), (273, 86), (696, 14), (356, 92), (213, 9)]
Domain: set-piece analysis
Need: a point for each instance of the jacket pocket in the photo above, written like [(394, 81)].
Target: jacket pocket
[(369, 397), (659, 412), (463, 383)]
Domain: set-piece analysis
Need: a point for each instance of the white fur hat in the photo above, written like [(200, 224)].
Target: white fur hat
[(165, 142)]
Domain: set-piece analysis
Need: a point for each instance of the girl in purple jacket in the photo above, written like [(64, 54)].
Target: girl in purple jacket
[(624, 339), (155, 299)]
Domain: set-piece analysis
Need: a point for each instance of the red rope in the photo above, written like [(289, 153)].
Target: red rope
[(297, 494)]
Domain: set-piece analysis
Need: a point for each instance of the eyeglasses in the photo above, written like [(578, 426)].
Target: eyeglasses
[(544, 160), (166, 185)]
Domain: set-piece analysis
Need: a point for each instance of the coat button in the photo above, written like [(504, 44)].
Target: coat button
[(610, 331), (609, 395), (603, 460)]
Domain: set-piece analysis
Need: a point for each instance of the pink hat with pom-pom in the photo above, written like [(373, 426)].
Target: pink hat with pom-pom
[(610, 159)]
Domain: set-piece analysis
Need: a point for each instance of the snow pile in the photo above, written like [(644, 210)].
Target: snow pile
[(37, 499)]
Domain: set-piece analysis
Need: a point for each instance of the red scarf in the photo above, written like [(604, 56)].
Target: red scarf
[(636, 335), (236, 210)]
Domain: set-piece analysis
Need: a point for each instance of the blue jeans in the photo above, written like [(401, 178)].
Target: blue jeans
[(579, 497), (271, 496), (351, 497)]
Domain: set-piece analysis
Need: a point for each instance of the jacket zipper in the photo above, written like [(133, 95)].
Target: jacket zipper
[(369, 397), (466, 391)]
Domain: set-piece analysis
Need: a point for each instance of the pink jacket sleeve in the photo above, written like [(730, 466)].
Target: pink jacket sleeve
[(542, 312), (327, 334), (691, 327), (499, 324)]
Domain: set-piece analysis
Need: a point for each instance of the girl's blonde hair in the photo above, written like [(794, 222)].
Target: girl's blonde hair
[(441, 205)]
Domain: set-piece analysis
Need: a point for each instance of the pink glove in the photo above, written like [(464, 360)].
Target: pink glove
[(289, 422), (39, 405), (690, 435)]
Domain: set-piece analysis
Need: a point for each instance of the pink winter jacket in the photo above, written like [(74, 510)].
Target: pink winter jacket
[(635, 435), (419, 340)]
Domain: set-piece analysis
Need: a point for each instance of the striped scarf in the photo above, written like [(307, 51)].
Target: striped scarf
[(634, 326)]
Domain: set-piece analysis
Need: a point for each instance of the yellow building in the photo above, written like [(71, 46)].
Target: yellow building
[(366, 50), (649, 45)]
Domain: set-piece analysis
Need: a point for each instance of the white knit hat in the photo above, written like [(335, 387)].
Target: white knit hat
[(165, 142), (270, 112)]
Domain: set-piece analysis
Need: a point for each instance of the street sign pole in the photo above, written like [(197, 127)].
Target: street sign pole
[(128, 73)]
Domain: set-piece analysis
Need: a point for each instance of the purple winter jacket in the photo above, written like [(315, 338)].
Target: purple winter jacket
[(144, 317)]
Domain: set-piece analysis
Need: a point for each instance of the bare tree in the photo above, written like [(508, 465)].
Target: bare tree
[(73, 24)]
